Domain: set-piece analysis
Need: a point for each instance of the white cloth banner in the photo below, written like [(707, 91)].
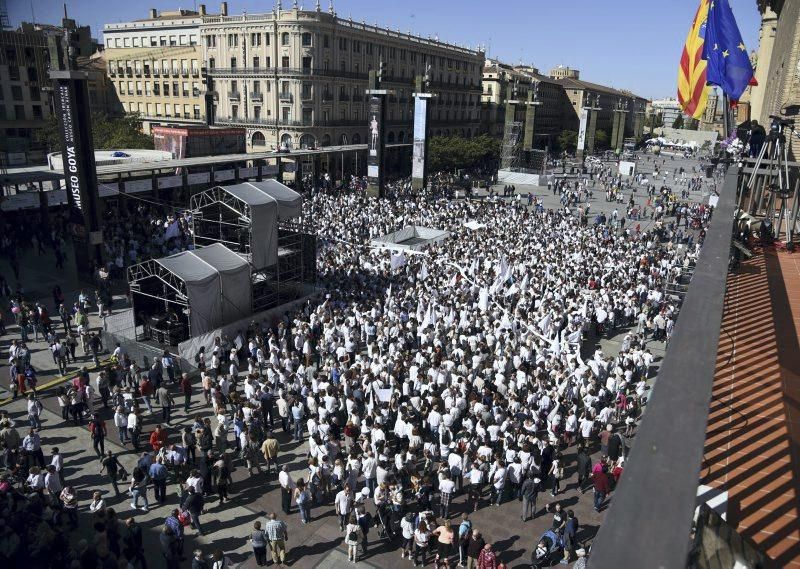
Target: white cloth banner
[(483, 299), (398, 260)]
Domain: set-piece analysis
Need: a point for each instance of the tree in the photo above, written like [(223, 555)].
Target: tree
[(601, 138), (656, 119), (567, 140), (109, 133), (448, 153), (678, 122)]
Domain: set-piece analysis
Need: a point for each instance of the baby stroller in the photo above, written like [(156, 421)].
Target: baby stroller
[(548, 550)]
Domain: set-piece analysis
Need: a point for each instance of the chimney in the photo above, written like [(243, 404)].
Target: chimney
[(153, 13), (223, 9), (202, 9)]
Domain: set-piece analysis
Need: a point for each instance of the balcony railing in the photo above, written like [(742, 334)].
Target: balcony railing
[(285, 72), (285, 97), (652, 509), (234, 96), (256, 96), (274, 123), (306, 97)]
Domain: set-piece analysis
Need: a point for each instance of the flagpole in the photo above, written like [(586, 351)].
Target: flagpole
[(726, 117)]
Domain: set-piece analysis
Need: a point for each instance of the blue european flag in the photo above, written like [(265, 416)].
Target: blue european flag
[(724, 51)]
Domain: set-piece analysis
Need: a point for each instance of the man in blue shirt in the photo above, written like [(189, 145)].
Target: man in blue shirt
[(158, 474)]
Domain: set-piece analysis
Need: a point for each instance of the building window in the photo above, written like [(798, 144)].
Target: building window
[(156, 89), (37, 109), (13, 73), (326, 41), (285, 61), (192, 39), (211, 62), (255, 40), (36, 94), (234, 111), (306, 39), (257, 113), (197, 112), (19, 112), (233, 63), (162, 40), (233, 40), (16, 93), (173, 41), (266, 39), (306, 63), (256, 62), (285, 113), (285, 39)]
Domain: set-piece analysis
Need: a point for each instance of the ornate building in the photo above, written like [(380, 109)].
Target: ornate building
[(298, 77)]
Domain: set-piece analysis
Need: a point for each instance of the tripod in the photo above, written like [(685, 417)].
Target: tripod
[(777, 177)]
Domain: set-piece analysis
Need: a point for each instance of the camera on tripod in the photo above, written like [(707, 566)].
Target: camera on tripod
[(779, 123)]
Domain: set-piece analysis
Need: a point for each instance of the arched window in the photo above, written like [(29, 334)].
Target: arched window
[(343, 140), (307, 141), (285, 38), (286, 140), (391, 137), (326, 140), (356, 138), (258, 139), (401, 137)]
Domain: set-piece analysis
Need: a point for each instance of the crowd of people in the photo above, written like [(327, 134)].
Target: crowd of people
[(413, 379)]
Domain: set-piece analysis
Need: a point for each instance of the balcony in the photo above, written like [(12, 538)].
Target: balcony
[(195, 73), (344, 97), (175, 72), (306, 97), (233, 96), (257, 97), (147, 72), (156, 72), (285, 97), (112, 73), (284, 72), (327, 97), (184, 72), (129, 71)]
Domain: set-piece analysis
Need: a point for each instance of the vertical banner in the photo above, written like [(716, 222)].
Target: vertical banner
[(375, 141), (74, 174), (582, 129), (418, 159)]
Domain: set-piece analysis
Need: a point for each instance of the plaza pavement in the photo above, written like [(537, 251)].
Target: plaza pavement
[(317, 544)]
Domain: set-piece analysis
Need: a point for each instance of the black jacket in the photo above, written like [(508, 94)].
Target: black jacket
[(194, 503), (474, 547)]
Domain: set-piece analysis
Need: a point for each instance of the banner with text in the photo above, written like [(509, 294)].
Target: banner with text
[(374, 142), (420, 138)]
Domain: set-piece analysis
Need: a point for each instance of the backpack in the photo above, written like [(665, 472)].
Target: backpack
[(352, 536)]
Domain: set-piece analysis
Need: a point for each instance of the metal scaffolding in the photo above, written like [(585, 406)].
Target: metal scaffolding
[(512, 146)]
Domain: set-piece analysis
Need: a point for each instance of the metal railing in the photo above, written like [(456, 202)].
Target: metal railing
[(256, 96), (650, 518), (234, 96)]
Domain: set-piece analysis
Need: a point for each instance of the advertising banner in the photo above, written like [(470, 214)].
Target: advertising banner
[(198, 178), (222, 175), (582, 129), (72, 156), (170, 182), (375, 139), (245, 173), (420, 139)]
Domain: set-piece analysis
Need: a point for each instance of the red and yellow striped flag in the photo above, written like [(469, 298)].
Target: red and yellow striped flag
[(692, 89)]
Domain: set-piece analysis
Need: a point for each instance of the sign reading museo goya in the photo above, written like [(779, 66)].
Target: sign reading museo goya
[(71, 152)]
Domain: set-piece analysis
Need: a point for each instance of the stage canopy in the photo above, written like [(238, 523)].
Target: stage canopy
[(213, 282), (245, 217)]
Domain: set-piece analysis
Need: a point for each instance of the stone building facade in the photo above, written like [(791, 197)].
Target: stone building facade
[(298, 78)]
